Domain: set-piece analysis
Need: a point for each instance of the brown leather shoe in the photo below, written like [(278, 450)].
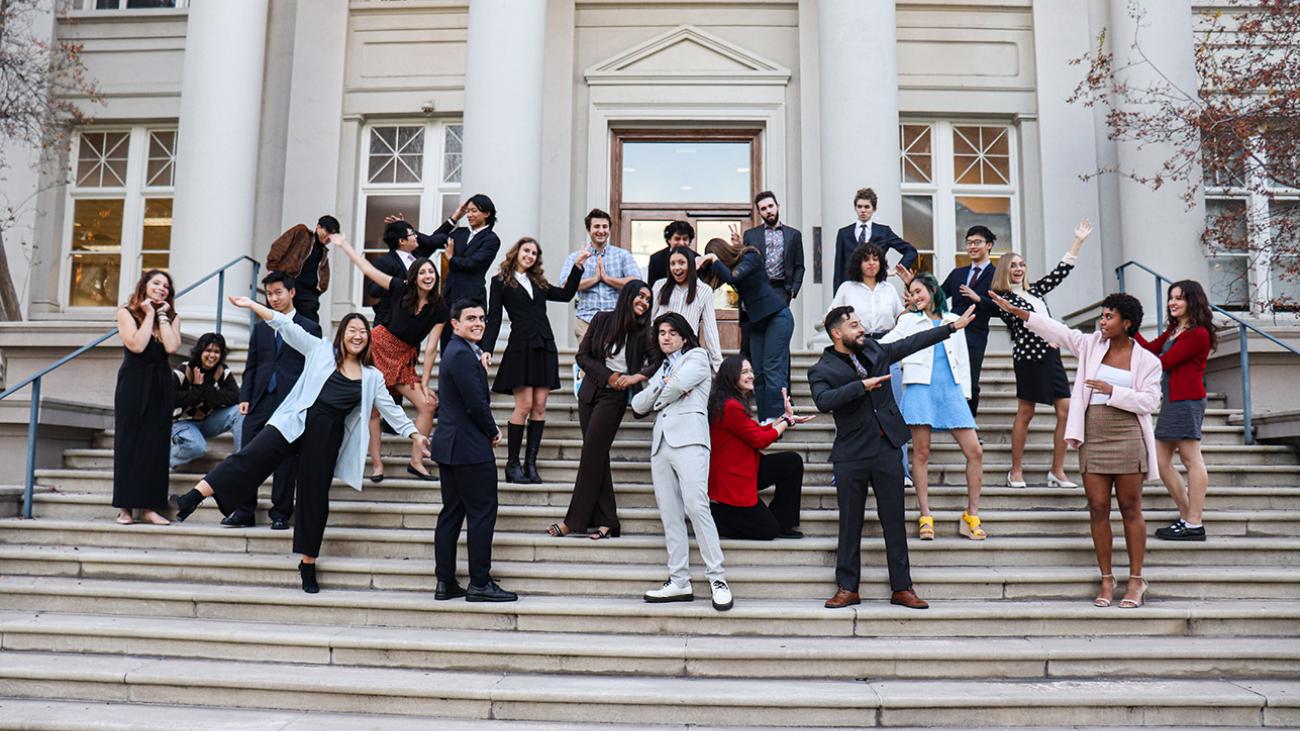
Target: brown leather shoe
[(843, 598), (908, 598)]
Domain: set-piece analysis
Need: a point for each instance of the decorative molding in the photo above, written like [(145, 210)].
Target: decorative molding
[(739, 65)]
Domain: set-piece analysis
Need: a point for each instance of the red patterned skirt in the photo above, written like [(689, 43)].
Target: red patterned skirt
[(394, 357)]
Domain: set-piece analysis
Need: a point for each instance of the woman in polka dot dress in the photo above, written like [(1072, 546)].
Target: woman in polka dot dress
[(1040, 375)]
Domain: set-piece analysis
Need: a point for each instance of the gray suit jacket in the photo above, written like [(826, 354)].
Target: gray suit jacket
[(682, 402)]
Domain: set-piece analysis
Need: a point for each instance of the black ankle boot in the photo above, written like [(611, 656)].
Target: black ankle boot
[(514, 436), (535, 429), (186, 504), (308, 573)]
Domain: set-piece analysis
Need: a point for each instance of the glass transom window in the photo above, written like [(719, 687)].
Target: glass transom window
[(667, 172)]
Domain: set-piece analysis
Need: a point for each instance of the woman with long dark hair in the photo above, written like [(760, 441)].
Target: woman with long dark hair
[(1183, 349), (321, 421), (1115, 391), (416, 313), (683, 292), (530, 367), (144, 397), (613, 356), (207, 398), (738, 468)]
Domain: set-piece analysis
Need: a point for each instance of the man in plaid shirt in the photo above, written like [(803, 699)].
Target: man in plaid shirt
[(603, 275)]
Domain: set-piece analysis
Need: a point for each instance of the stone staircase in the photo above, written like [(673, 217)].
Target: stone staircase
[(200, 626)]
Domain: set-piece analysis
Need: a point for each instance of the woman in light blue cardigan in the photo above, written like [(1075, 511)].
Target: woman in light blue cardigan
[(321, 419)]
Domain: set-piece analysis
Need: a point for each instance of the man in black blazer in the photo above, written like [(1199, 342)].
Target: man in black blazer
[(269, 374), (404, 247), (677, 233), (784, 260), (869, 435), (866, 231), (969, 285), (462, 446), (470, 251)]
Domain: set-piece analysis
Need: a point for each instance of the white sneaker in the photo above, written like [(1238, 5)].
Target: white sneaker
[(907, 482), (671, 592), (721, 596), (1054, 481)]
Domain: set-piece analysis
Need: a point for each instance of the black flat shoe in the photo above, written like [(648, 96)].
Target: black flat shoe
[(236, 520), (420, 475), (791, 533), (489, 593), (186, 504), (377, 477), (308, 573), (279, 524), (448, 590)]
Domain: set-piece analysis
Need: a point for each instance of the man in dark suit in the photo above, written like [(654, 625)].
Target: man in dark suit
[(866, 231), (677, 233), (969, 285), (869, 435), (462, 446), (404, 246), (269, 374), (780, 245), (469, 251)]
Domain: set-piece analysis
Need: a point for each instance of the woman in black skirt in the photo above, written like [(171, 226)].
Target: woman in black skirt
[(530, 367), (320, 421), (1040, 375), (142, 402)]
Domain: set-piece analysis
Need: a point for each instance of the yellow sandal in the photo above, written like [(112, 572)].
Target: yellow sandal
[(970, 527), (926, 527)]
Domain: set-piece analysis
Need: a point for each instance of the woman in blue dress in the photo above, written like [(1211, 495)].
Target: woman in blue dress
[(937, 384)]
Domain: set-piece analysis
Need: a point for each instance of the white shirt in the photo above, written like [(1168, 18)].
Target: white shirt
[(878, 308), (1115, 377), (859, 234), (407, 258), (524, 282)]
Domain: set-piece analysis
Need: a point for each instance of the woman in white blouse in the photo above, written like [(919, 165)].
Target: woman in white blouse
[(876, 303), (683, 292)]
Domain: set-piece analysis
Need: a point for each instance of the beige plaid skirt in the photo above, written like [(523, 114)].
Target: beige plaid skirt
[(1112, 442)]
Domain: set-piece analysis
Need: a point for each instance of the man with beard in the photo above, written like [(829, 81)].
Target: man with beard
[(869, 435), (781, 247)]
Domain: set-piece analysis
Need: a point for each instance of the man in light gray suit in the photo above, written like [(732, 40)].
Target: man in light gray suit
[(679, 459)]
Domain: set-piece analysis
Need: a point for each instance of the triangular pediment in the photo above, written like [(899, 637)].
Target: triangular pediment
[(687, 54)]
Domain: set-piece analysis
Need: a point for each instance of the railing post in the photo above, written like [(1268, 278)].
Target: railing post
[(30, 480), (252, 295), (221, 296), (1119, 274), (1244, 351), (1160, 308)]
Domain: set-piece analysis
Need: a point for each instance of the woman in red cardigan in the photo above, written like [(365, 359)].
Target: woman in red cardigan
[(737, 467), (1183, 348)]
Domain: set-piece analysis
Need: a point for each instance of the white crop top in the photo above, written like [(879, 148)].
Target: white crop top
[(1115, 377)]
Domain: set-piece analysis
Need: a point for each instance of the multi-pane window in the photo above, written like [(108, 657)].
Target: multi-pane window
[(130, 4), (412, 170), (119, 212), (956, 175)]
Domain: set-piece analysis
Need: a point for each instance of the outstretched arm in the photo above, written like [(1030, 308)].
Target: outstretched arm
[(372, 273), (293, 334)]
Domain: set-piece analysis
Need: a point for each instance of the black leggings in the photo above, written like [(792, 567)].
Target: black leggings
[(761, 522), (235, 481)]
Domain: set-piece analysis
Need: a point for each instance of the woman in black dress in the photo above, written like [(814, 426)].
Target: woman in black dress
[(530, 367), (142, 403), (417, 313)]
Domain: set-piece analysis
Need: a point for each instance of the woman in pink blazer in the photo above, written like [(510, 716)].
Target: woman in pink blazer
[(1115, 391)]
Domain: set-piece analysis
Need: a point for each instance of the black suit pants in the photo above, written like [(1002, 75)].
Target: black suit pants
[(308, 307), (884, 473), (468, 490), (284, 480), (976, 343), (592, 504)]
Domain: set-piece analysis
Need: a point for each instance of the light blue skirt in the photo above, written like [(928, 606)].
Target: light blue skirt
[(940, 403)]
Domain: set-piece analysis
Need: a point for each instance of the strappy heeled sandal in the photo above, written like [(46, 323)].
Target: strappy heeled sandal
[(925, 527), (970, 527), (1106, 595), (1126, 602), (554, 530)]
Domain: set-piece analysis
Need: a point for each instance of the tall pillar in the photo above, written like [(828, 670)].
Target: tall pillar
[(1157, 228), (503, 111), (216, 158), (858, 69)]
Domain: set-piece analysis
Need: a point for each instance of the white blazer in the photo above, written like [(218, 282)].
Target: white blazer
[(682, 402), (917, 366), (290, 419)]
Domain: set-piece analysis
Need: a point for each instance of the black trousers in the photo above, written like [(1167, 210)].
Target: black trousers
[(884, 473), (592, 504), (763, 522), (308, 306), (976, 344), (284, 480), (235, 481), (468, 490)]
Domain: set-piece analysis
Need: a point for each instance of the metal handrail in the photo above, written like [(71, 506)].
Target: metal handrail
[(1243, 330), (34, 380)]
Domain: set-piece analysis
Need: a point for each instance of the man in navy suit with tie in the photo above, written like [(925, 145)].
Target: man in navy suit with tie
[(866, 231), (969, 285), (462, 446), (470, 251), (269, 374)]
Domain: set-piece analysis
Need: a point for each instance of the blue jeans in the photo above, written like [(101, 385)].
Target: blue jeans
[(769, 351), (190, 437)]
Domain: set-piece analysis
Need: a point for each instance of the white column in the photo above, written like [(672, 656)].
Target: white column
[(216, 160), (1157, 228), (858, 68), (311, 154), (503, 111)]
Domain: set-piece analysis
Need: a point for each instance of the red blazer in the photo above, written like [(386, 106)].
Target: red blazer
[(733, 464), (1185, 362)]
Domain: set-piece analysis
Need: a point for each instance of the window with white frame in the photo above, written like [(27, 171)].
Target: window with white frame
[(119, 212), (412, 170), (956, 175)]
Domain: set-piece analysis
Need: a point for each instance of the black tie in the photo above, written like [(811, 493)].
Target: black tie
[(862, 234)]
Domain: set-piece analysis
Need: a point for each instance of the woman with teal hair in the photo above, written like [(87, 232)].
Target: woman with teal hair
[(937, 383)]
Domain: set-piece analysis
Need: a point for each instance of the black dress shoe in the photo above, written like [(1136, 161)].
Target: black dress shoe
[(445, 590), (489, 593), (420, 475), (279, 524), (308, 573), (237, 520), (185, 504)]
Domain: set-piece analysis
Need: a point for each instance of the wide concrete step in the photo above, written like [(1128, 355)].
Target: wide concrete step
[(643, 656), (568, 579), (581, 698), (631, 615)]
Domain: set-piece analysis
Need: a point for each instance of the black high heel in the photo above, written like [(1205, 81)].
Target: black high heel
[(308, 573), (186, 503)]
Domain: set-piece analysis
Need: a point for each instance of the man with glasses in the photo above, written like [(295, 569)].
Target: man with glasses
[(969, 285)]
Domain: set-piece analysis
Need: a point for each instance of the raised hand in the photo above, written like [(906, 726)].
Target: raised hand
[(240, 302), (336, 239), (969, 293), (1000, 301), (966, 318), (904, 274), (735, 235), (394, 218), (460, 211), (583, 255), (1082, 230)]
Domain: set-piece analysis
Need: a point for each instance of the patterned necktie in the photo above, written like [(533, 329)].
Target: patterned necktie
[(857, 366), (862, 233)]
